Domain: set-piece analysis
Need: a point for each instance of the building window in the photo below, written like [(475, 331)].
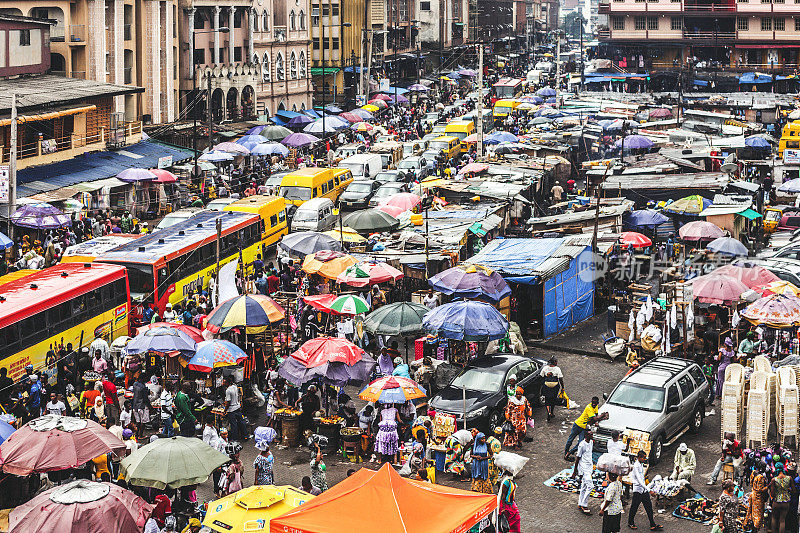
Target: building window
[(265, 21), (237, 53), (676, 23), (326, 10), (675, 1), (424, 6), (292, 21), (302, 65), (652, 23), (199, 21), (766, 24), (237, 18), (797, 24), (780, 24), (742, 23), (779, 1), (335, 10), (199, 56), (265, 72), (335, 43), (316, 44), (617, 23), (280, 73), (766, 1), (24, 37), (639, 23), (302, 18), (255, 23), (293, 66)]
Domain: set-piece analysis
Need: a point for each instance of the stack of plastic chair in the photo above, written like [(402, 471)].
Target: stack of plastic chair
[(787, 409), (732, 401), (762, 364), (758, 410)]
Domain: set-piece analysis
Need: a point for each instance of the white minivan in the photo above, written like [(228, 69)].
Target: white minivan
[(314, 215), (363, 166)]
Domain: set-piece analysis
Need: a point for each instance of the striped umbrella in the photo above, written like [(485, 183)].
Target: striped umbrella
[(350, 305), (392, 389), (363, 274), (215, 354), (250, 310)]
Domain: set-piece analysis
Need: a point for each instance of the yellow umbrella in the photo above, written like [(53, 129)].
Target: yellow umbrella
[(781, 287), (371, 108), (327, 264), (252, 508), (347, 234)]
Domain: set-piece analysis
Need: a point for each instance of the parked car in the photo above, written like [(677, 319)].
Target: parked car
[(314, 215), (484, 381), (359, 193), (385, 191), (219, 204), (664, 398), (390, 176), (415, 167)]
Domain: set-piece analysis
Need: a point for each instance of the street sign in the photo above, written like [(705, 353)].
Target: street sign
[(383, 85), (4, 183), (361, 100), (791, 156), (165, 162)]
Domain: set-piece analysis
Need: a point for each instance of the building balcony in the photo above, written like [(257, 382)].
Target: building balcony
[(79, 74), (708, 36), (692, 8), (57, 33), (77, 34)]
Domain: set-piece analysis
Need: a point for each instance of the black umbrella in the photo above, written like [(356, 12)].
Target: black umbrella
[(370, 221), (304, 243), (399, 318)]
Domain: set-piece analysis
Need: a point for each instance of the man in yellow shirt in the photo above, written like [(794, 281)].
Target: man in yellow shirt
[(588, 416)]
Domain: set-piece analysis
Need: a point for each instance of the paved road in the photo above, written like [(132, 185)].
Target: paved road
[(542, 508)]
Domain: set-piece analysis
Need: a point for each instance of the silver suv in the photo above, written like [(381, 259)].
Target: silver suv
[(664, 397)]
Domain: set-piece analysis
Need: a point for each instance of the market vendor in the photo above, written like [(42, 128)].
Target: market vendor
[(747, 346), (309, 404), (684, 463), (731, 454)]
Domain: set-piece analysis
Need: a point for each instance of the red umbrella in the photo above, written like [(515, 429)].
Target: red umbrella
[(164, 176), (195, 334), (321, 302), (53, 442), (717, 289), (324, 350), (637, 240), (351, 117), (82, 507), (391, 209)]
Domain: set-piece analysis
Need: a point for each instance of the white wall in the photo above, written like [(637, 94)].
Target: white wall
[(25, 55)]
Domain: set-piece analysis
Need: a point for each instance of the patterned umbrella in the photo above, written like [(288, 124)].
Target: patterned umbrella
[(392, 389), (327, 264), (215, 354), (471, 281), (690, 205), (717, 289), (405, 200), (637, 240), (40, 215), (779, 287), (129, 175), (336, 361), (698, 230), (467, 320), (350, 305), (776, 311), (299, 140), (362, 126), (161, 340), (231, 148), (249, 310), (399, 318), (363, 274)]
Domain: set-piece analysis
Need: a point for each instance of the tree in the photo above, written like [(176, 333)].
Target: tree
[(572, 22)]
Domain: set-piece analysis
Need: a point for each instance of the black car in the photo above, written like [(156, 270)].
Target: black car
[(358, 193), (485, 381)]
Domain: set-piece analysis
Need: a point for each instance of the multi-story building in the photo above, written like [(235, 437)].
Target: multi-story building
[(442, 27), (721, 34), (126, 42)]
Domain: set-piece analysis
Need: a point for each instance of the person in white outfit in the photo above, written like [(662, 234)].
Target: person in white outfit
[(584, 466)]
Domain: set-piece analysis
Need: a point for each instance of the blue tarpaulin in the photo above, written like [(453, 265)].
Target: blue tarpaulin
[(555, 263), (700, 83), (755, 77)]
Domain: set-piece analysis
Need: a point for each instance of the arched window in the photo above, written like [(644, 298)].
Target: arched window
[(302, 18), (294, 108), (280, 72), (255, 20), (302, 106), (255, 59), (292, 66), (302, 65), (292, 21), (265, 21), (265, 68)]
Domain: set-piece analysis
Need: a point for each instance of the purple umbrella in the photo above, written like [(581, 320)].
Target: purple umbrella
[(300, 120), (471, 281), (256, 130), (334, 373), (162, 340), (634, 142), (418, 87), (40, 215), (130, 175), (299, 140), (467, 320), (468, 72), (401, 99)]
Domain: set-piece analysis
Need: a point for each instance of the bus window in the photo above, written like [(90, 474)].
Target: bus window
[(273, 220), (282, 215), (330, 185), (336, 180)]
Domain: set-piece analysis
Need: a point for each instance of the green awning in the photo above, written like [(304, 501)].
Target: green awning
[(750, 214), (317, 71), (477, 229)]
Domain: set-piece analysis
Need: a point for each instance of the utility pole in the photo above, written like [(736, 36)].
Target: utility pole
[(219, 240), (369, 63), (12, 168), (361, 64), (479, 109), (210, 116), (582, 65), (558, 63)]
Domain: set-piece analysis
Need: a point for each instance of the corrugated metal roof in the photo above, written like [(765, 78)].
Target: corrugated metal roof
[(47, 90), (699, 180)]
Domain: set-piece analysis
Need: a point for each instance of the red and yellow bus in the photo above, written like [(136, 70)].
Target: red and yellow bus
[(507, 88), (71, 303), (168, 264)]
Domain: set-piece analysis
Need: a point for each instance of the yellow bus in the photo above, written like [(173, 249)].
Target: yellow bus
[(87, 251), (167, 265), (312, 182), (502, 108), (72, 303), (461, 129), (271, 209), (450, 146), (790, 138)]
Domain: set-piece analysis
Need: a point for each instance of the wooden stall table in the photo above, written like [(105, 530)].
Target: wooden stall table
[(290, 426)]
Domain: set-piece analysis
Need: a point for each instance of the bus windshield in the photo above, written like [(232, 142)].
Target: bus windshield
[(441, 145), (296, 193), (140, 280), (460, 134), (502, 109)]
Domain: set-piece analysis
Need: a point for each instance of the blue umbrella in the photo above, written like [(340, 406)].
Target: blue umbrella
[(728, 246), (471, 281), (6, 430), (551, 100), (162, 340), (250, 139), (453, 75), (5, 242), (312, 113), (757, 141), (498, 137), (546, 92), (300, 121), (270, 149), (330, 108), (791, 186), (255, 130), (644, 218), (467, 320), (215, 354)]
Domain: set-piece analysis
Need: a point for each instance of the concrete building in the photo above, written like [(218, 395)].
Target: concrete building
[(116, 41), (24, 45), (442, 26)]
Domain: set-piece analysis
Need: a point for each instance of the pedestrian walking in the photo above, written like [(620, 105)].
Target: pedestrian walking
[(611, 508), (584, 467), (641, 496)]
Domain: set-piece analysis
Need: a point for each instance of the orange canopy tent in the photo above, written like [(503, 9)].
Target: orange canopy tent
[(394, 504)]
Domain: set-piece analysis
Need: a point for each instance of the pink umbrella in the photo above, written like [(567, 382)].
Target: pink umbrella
[(381, 96), (164, 176), (700, 230), (473, 167), (406, 200), (232, 148), (717, 289), (391, 209), (754, 277), (82, 506), (776, 310), (351, 117), (377, 102), (472, 138), (53, 442)]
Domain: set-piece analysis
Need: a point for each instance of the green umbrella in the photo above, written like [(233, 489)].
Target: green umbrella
[(370, 221), (400, 318), (350, 305), (275, 133), (171, 462)]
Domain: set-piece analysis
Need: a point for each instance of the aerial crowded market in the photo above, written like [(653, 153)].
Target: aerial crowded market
[(523, 284)]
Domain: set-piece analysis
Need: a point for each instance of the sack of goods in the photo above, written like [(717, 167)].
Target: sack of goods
[(510, 462), (616, 464)]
